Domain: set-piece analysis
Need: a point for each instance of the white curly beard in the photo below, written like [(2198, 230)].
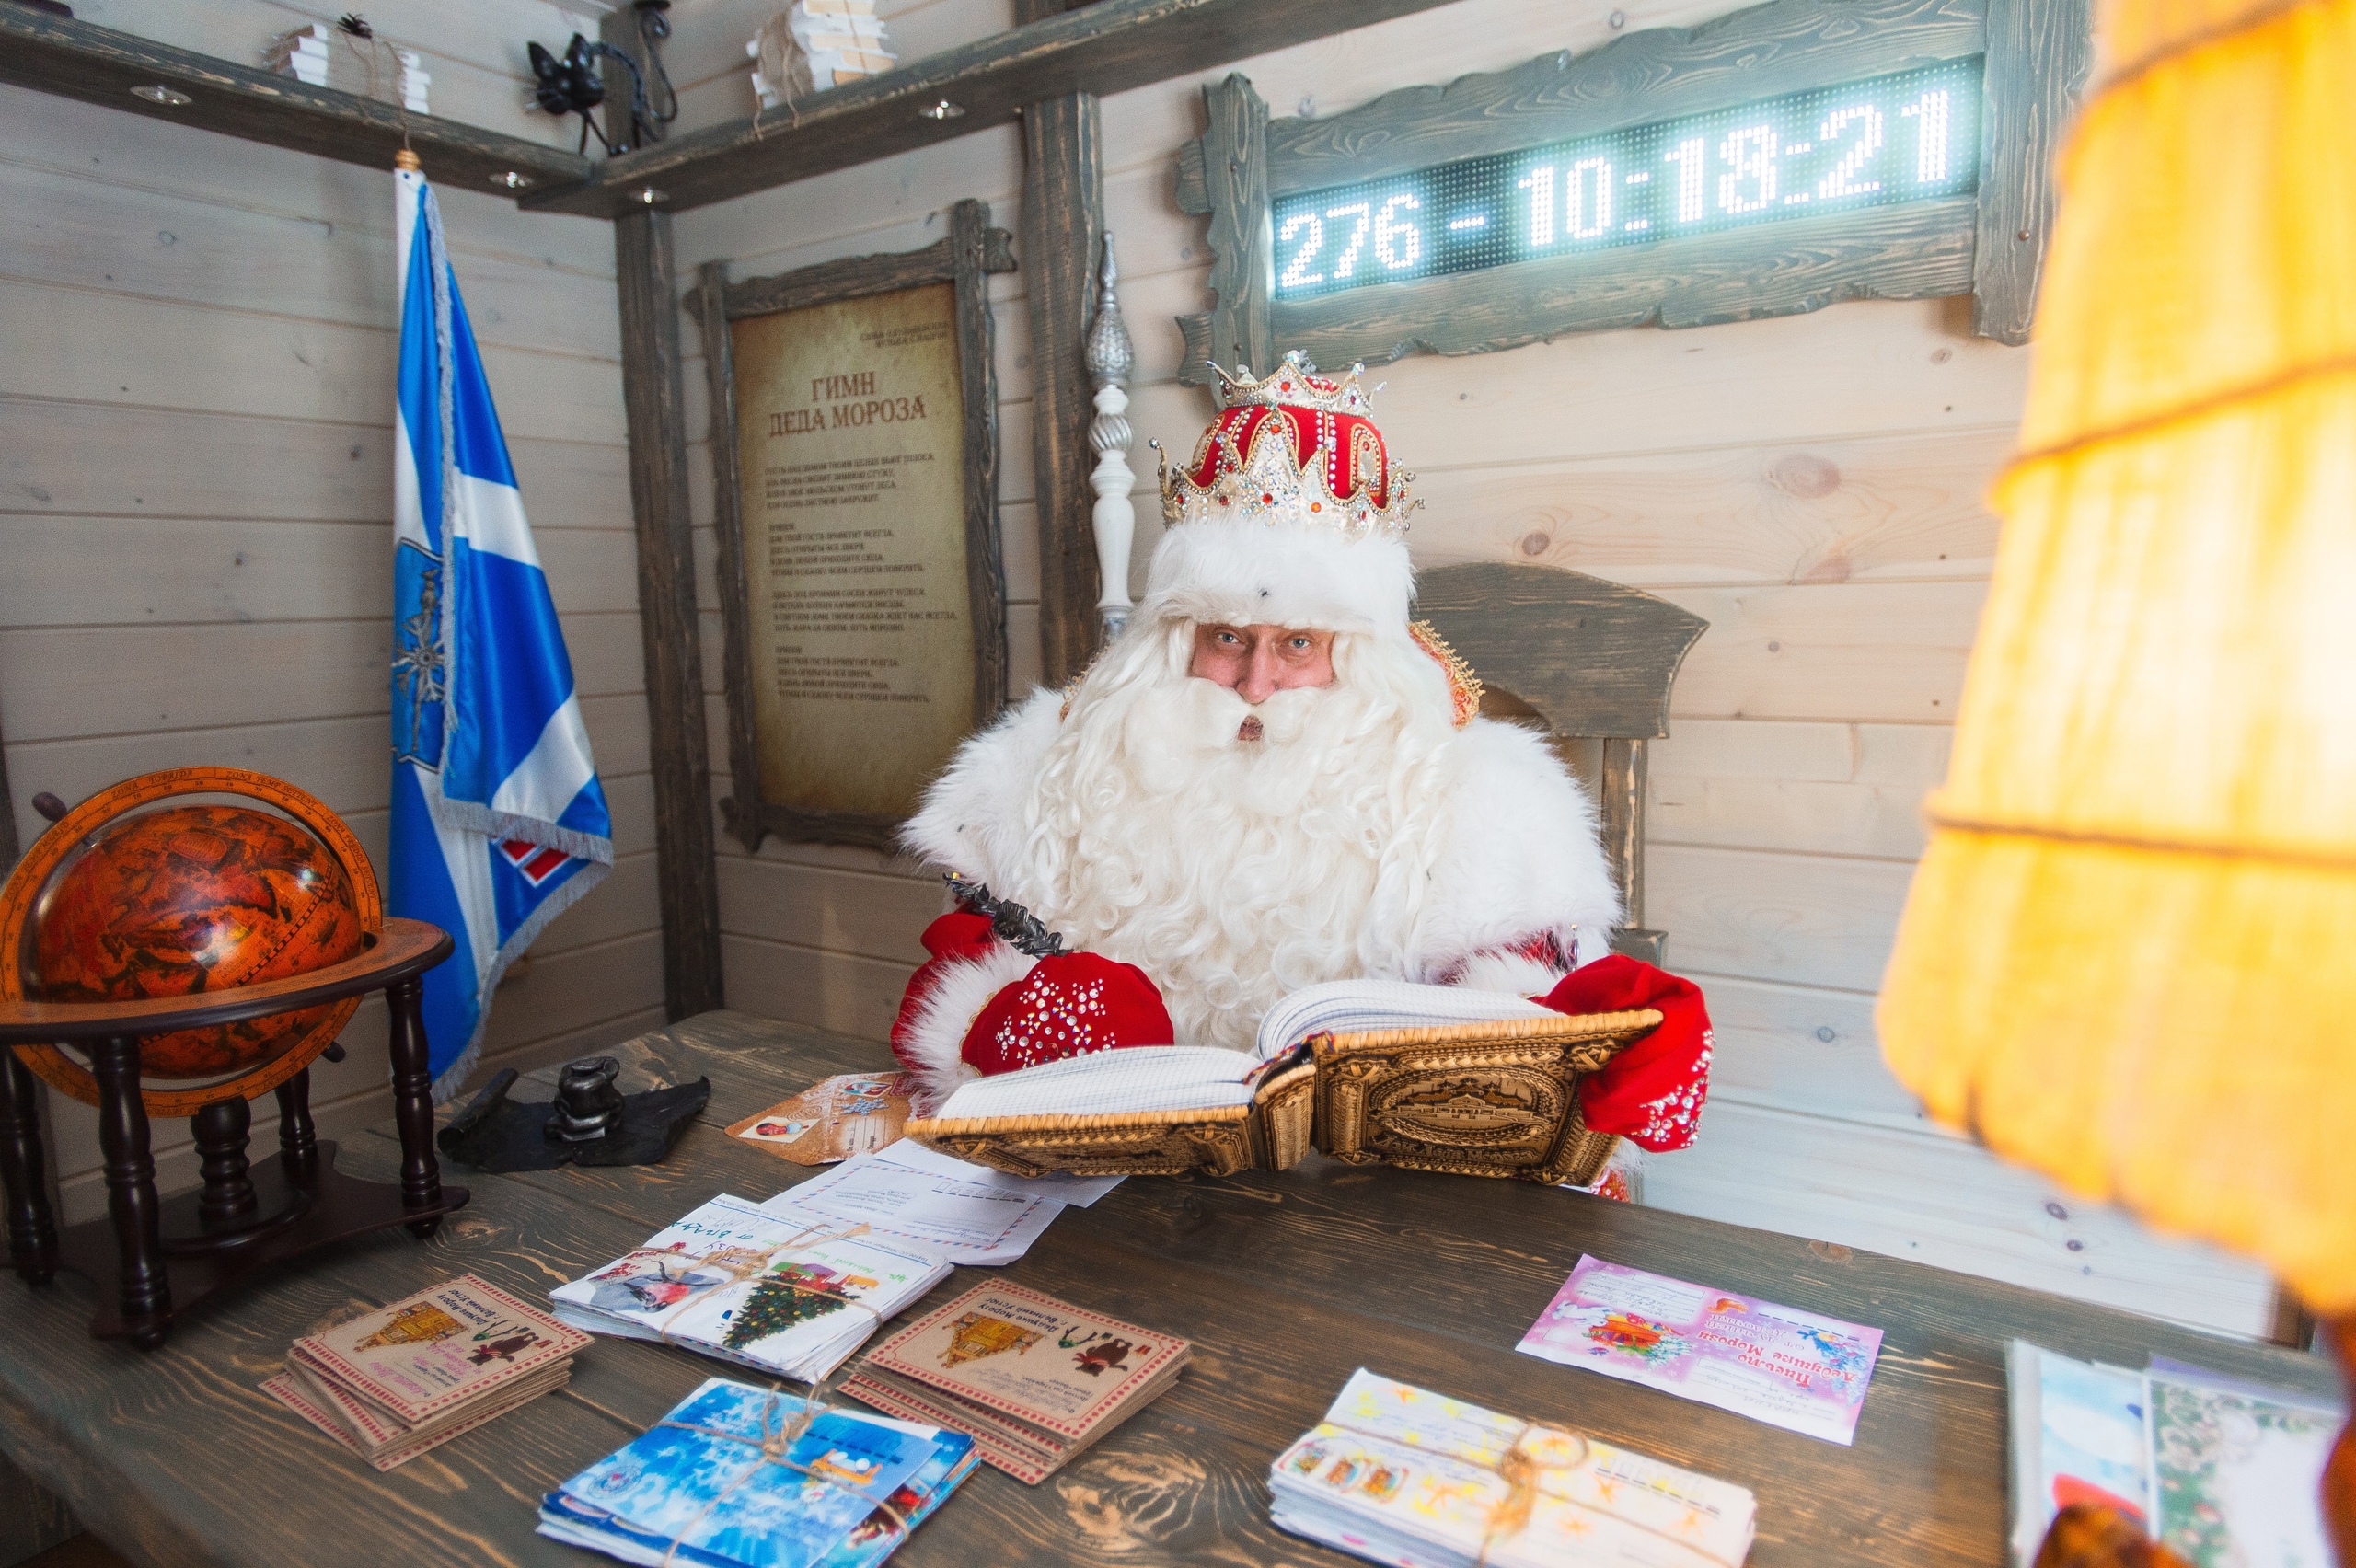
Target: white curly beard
[(1235, 871)]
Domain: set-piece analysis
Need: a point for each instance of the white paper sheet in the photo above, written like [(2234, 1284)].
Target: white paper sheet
[(967, 1222), (1079, 1192)]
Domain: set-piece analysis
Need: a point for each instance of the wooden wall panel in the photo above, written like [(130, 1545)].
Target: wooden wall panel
[(196, 506), (1814, 486)]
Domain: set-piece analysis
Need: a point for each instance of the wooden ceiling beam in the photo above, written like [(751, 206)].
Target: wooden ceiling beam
[(1108, 46), (81, 60), (1104, 48)]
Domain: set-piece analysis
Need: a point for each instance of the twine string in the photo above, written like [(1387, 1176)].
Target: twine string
[(773, 1446), (740, 1266)]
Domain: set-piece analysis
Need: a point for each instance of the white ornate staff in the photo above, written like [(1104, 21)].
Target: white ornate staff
[(1111, 357)]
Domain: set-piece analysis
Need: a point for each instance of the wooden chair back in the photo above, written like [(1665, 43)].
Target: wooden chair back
[(1590, 660)]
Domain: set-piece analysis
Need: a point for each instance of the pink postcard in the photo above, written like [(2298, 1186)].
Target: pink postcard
[(1778, 1364)]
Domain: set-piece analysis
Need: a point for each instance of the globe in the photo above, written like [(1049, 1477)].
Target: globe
[(197, 898)]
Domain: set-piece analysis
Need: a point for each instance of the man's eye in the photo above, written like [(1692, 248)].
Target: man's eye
[(1301, 645)]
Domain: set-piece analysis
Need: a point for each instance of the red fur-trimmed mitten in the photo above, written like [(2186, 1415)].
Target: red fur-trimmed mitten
[(978, 1007), (1651, 1093)]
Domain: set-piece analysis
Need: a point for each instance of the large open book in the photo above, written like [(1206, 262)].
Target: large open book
[(1435, 1077)]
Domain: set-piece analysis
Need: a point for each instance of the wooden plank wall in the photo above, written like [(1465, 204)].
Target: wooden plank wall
[(1812, 485), (196, 503)]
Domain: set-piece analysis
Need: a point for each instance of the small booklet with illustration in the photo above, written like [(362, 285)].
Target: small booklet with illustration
[(833, 1119), (787, 1294), (2077, 1437), (1802, 1371), (1399, 1474), (396, 1381), (1034, 1379), (740, 1477)]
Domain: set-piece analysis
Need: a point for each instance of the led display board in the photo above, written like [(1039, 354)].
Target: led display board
[(1906, 136), (1767, 162)]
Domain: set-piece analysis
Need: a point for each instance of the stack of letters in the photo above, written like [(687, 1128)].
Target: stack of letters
[(1034, 1379), (394, 1382), (817, 44), (1402, 1475), (739, 1477), (787, 1294)]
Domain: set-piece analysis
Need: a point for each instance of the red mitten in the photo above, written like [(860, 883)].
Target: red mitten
[(1651, 1093), (1070, 1005), (978, 1006)]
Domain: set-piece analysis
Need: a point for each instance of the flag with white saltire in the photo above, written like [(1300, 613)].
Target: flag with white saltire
[(499, 823)]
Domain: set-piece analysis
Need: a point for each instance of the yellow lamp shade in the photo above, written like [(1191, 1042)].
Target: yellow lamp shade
[(2129, 956)]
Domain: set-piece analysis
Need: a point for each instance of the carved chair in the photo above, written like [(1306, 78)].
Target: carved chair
[(1590, 661)]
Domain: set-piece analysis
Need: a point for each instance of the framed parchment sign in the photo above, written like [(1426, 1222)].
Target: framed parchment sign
[(855, 477)]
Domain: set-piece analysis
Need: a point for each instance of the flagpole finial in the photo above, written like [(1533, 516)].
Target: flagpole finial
[(407, 161)]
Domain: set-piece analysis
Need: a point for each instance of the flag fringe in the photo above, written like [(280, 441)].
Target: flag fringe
[(469, 816)]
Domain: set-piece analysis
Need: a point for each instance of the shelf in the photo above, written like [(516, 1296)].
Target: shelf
[(1109, 47), (80, 59), (1105, 48)]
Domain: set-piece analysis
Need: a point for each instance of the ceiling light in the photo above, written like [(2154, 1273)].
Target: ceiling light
[(943, 109), (156, 92)]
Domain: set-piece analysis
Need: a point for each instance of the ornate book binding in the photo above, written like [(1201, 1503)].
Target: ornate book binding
[(1490, 1099)]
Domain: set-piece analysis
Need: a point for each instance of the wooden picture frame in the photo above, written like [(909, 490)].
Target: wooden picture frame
[(1990, 245), (971, 250)]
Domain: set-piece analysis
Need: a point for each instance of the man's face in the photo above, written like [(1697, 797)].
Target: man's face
[(1256, 662)]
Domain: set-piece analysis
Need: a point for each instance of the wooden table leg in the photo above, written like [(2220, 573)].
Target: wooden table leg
[(144, 1290), (414, 1102), (32, 1231)]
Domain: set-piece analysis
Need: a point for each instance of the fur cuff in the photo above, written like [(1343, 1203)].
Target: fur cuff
[(1515, 972), (933, 1046)]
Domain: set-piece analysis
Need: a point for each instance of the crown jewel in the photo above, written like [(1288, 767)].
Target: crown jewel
[(1291, 446)]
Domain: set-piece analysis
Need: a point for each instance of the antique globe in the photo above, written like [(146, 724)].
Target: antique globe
[(136, 895)]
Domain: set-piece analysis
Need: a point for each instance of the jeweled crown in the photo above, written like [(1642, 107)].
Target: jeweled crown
[(1291, 446)]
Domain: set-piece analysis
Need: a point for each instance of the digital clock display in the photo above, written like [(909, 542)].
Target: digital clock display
[(1903, 137)]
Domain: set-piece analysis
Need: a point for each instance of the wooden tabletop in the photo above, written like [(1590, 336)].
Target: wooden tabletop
[(1285, 1283)]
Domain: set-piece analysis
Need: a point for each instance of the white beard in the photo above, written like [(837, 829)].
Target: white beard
[(1235, 871)]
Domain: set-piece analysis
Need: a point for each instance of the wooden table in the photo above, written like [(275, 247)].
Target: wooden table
[(1284, 1284)]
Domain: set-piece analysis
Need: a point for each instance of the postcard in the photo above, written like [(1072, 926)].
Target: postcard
[(2237, 1473), (439, 1348), (2077, 1437), (1798, 1370), (833, 1119), (1030, 1356)]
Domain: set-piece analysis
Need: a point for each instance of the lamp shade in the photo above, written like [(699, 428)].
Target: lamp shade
[(2129, 956)]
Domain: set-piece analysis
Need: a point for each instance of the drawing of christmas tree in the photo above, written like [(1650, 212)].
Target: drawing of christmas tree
[(775, 1306)]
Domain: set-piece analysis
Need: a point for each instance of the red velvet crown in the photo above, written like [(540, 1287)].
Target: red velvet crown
[(1292, 446)]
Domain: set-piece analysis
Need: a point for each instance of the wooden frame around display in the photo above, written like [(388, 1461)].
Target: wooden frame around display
[(971, 250), (1991, 245)]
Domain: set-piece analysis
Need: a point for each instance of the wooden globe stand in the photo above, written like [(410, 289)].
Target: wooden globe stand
[(153, 1260)]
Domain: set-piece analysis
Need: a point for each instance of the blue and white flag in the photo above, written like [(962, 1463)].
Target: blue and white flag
[(499, 822)]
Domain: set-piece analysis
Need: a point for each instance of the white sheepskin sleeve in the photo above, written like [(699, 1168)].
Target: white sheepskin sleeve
[(971, 821), (1519, 856)]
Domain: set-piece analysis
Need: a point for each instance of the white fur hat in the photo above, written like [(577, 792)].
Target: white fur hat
[(1289, 514)]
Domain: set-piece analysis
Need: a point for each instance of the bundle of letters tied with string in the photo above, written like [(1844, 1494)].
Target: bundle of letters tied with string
[(1403, 1475), (787, 1294), (740, 1477)]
